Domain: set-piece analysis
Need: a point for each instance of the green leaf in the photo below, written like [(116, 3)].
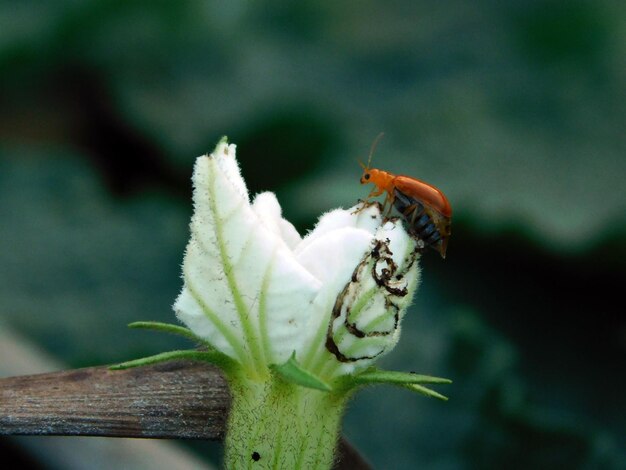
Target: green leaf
[(291, 371), (168, 328), (373, 376), (211, 357)]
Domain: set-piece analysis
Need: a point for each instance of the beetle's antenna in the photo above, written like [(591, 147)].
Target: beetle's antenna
[(373, 148)]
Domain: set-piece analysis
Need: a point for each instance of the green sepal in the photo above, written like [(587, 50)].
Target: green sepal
[(169, 328), (408, 380), (425, 391), (212, 357), (375, 376), (292, 371)]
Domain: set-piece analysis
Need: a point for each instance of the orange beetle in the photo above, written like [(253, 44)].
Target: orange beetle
[(425, 208)]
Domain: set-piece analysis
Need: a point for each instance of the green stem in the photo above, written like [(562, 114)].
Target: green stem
[(274, 424)]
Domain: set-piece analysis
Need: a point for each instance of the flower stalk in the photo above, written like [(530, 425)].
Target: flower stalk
[(278, 424)]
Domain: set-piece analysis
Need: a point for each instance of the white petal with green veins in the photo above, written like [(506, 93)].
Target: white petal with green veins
[(237, 271), (369, 310), (266, 206)]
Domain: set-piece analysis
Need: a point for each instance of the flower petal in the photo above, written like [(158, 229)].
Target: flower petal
[(269, 211), (367, 218), (332, 257), (230, 167), (242, 283), (367, 313)]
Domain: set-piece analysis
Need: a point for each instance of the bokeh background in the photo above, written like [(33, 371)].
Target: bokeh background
[(516, 110)]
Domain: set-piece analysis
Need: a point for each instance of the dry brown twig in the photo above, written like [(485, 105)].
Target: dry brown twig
[(176, 400)]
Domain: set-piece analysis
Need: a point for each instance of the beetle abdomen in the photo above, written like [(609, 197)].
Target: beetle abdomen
[(426, 224)]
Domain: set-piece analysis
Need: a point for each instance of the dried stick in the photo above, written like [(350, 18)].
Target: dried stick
[(177, 400)]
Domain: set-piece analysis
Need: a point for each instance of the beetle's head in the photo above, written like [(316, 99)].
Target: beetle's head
[(371, 175), (366, 177)]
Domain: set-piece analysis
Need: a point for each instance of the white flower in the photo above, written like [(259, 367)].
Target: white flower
[(258, 292), (294, 323)]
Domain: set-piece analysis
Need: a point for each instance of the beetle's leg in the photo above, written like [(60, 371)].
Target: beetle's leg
[(373, 193), (388, 205), (412, 208)]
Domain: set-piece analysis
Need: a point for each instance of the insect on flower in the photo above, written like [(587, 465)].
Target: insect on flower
[(424, 207)]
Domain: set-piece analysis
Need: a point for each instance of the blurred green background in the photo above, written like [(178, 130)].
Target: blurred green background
[(516, 110)]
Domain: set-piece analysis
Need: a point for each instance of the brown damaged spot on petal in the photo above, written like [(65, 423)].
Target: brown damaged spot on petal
[(378, 264)]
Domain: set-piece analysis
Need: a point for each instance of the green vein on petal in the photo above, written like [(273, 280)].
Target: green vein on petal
[(263, 318), (226, 332), (316, 357), (256, 356)]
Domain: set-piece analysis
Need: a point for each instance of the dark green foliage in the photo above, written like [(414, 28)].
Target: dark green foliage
[(514, 109)]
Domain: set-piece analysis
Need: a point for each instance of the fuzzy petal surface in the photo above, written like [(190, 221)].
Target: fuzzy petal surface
[(237, 269)]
